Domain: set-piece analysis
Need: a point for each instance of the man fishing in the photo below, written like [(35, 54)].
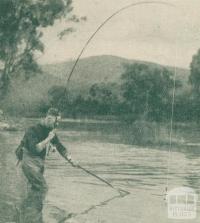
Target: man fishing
[(35, 144)]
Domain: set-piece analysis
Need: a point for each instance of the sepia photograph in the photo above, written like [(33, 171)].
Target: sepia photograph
[(99, 111)]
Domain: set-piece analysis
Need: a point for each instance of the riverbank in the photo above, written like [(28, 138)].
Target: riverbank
[(139, 133)]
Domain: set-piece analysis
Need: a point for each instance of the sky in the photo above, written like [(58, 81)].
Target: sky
[(161, 33)]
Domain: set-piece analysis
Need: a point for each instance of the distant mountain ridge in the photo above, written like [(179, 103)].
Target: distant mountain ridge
[(105, 68)]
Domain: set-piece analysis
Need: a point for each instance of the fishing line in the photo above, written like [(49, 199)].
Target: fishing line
[(102, 24), (82, 51), (171, 123)]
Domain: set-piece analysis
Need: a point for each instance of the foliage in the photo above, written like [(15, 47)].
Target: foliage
[(127, 100), (146, 90), (184, 109), (194, 77), (101, 99), (20, 33), (56, 93), (194, 80), (144, 93)]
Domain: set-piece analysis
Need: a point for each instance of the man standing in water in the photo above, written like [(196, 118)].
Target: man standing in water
[(35, 148)]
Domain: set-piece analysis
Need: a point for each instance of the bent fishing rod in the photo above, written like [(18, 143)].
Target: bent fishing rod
[(120, 191)]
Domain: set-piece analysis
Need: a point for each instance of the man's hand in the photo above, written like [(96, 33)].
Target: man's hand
[(42, 145), (51, 135), (69, 159)]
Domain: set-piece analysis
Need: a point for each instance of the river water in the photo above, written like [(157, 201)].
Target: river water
[(143, 171)]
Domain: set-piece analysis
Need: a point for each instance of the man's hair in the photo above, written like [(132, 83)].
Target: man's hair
[(53, 112)]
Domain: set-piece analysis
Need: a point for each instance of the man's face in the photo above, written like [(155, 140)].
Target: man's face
[(50, 121)]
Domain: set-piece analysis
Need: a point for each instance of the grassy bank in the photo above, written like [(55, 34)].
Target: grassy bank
[(160, 134), (140, 132)]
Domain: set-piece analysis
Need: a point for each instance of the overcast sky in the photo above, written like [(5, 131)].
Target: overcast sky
[(150, 32)]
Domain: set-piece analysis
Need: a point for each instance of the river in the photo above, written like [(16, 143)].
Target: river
[(143, 171)]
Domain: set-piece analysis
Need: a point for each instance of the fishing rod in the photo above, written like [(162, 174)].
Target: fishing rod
[(122, 192), (66, 93)]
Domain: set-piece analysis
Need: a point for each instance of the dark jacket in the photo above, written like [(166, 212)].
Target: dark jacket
[(35, 135)]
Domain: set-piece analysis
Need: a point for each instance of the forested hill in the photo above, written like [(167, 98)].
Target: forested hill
[(31, 94), (103, 68)]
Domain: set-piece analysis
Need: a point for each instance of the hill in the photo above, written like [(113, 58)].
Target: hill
[(100, 69), (27, 95)]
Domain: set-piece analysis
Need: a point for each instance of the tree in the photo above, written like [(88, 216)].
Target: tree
[(194, 77), (56, 94), (194, 80), (146, 90), (103, 98), (21, 22)]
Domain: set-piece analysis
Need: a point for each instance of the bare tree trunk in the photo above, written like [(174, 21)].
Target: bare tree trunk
[(5, 81), (5, 77)]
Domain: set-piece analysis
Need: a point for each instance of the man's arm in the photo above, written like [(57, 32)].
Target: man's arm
[(42, 145), (63, 150), (32, 142), (59, 146)]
